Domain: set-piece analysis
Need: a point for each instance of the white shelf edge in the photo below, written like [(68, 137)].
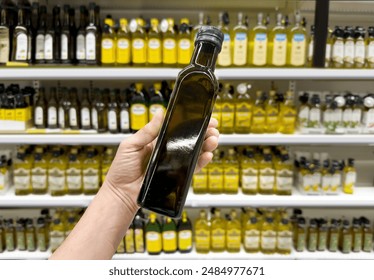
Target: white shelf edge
[(234, 139), (147, 73), (363, 197)]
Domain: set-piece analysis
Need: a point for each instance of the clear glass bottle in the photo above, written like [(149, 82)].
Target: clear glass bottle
[(360, 47), (349, 47), (370, 48), (224, 58), (215, 174), (259, 114), (202, 233), (268, 236), (154, 44), (217, 232), (243, 109), (184, 43), (108, 43), (288, 115), (123, 48), (184, 228), (5, 47), (153, 237), (169, 43), (74, 173), (240, 42), (233, 233), (338, 48), (297, 44), (277, 47), (56, 173), (258, 40), (138, 43), (231, 173)]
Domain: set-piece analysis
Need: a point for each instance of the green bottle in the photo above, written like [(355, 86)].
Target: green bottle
[(184, 234), (153, 235)]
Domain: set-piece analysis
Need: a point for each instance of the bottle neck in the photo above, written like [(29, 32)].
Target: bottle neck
[(66, 19), (82, 20), (92, 17), (20, 17), (3, 19), (205, 54)]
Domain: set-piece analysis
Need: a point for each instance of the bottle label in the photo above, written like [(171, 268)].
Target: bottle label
[(39, 178), (73, 179), (4, 45), (334, 242), (124, 120), (123, 51), (233, 239), (22, 46), (108, 51), (328, 53), (307, 182), (350, 179), (338, 51), (326, 182), (169, 240), (153, 240), (347, 117), (311, 50), (169, 51), (231, 179), (21, 242), (267, 179), (260, 49), (21, 179), (39, 52), (224, 58), (61, 117), (90, 46), (112, 120), (154, 108), (56, 179), (360, 52), (284, 240), (139, 240), (227, 115), (139, 116), (312, 241), (52, 116), (336, 182), (91, 179), (314, 117), (268, 239), (64, 46), (370, 52), (94, 118), (301, 241), (39, 116), (154, 51), (218, 239), (215, 179), (184, 51), (48, 47), (185, 240), (85, 117), (9, 241), (368, 242), (303, 117), (322, 241), (279, 50), (243, 115), (202, 240), (73, 120), (252, 239), (347, 243), (284, 180), (356, 118), (30, 241), (56, 239), (240, 49), (316, 181), (298, 50), (349, 51), (41, 239), (249, 179), (138, 51), (81, 47), (129, 241)]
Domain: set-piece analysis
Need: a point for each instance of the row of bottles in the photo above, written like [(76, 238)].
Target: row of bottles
[(61, 170), (338, 114), (262, 170), (319, 174), (103, 110), (16, 103)]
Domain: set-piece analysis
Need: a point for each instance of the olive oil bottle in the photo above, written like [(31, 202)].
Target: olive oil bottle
[(333, 236), (108, 43), (169, 43), (258, 41), (184, 234), (215, 174), (350, 177), (52, 119), (249, 173), (288, 115), (20, 38), (243, 110), (42, 236), (187, 119), (266, 174), (346, 240), (367, 236), (268, 236), (10, 235), (56, 233), (74, 173), (349, 47), (297, 44), (240, 42), (184, 43), (20, 235), (154, 46), (322, 235), (169, 236), (300, 237), (138, 109), (259, 114), (217, 232), (200, 181), (360, 47), (5, 37), (312, 240), (30, 236), (284, 237), (40, 110), (123, 43), (91, 172), (224, 58), (252, 235), (303, 113), (227, 110), (39, 180), (277, 49), (56, 173), (231, 173), (139, 234), (233, 233), (284, 175), (22, 172), (153, 237), (129, 240), (138, 42), (370, 48), (357, 236), (106, 162), (156, 102), (272, 113), (338, 48), (113, 112), (202, 233)]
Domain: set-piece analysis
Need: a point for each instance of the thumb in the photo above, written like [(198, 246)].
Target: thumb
[(148, 133)]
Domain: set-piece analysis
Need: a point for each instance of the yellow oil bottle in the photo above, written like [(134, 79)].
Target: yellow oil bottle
[(42, 235), (169, 42), (153, 237), (108, 43), (360, 47), (138, 108), (300, 237), (56, 173), (272, 113), (74, 173), (200, 181), (349, 47), (184, 228), (20, 234), (296, 54), (304, 111), (312, 240), (91, 172), (217, 232), (249, 173), (202, 233), (288, 115), (224, 58), (243, 110), (251, 238), (350, 177), (284, 175), (185, 45), (284, 237), (10, 235), (231, 173), (322, 235), (337, 59), (357, 236), (138, 42), (367, 245), (217, 109), (333, 236), (156, 102), (266, 174), (258, 123), (129, 240), (56, 233), (215, 174), (227, 110), (123, 44), (233, 233), (268, 236), (22, 172), (346, 238), (39, 180), (107, 162), (169, 236), (258, 41), (154, 46), (277, 49), (240, 42), (370, 48)]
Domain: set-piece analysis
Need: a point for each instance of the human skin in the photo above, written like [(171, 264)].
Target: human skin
[(103, 225)]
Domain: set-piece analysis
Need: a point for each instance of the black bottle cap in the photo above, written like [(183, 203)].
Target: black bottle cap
[(40, 221), (211, 34), (315, 99), (371, 30), (253, 220), (301, 221), (345, 223), (225, 18), (304, 98)]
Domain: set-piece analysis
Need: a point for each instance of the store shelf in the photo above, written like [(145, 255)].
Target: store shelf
[(24, 255), (235, 139), (363, 197), (132, 74)]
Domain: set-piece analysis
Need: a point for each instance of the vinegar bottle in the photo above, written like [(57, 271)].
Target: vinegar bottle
[(182, 134)]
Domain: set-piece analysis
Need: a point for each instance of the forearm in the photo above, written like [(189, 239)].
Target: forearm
[(101, 228)]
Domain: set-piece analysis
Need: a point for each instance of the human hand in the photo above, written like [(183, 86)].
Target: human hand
[(127, 171)]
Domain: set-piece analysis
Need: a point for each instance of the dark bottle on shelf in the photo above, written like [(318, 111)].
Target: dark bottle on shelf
[(102, 111), (30, 34), (52, 120), (124, 114), (113, 113), (138, 234), (63, 109), (80, 53), (4, 37), (40, 36), (66, 37), (73, 31), (40, 110), (52, 44), (74, 122), (92, 38), (178, 146), (20, 39), (85, 111)]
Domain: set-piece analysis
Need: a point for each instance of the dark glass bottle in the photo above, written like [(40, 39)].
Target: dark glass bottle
[(63, 110), (178, 146), (113, 113), (52, 120), (124, 115), (30, 33), (74, 116), (40, 112), (73, 35), (138, 234), (80, 53), (66, 37), (92, 38), (102, 112), (4, 37), (85, 110), (40, 36), (52, 42), (20, 39)]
